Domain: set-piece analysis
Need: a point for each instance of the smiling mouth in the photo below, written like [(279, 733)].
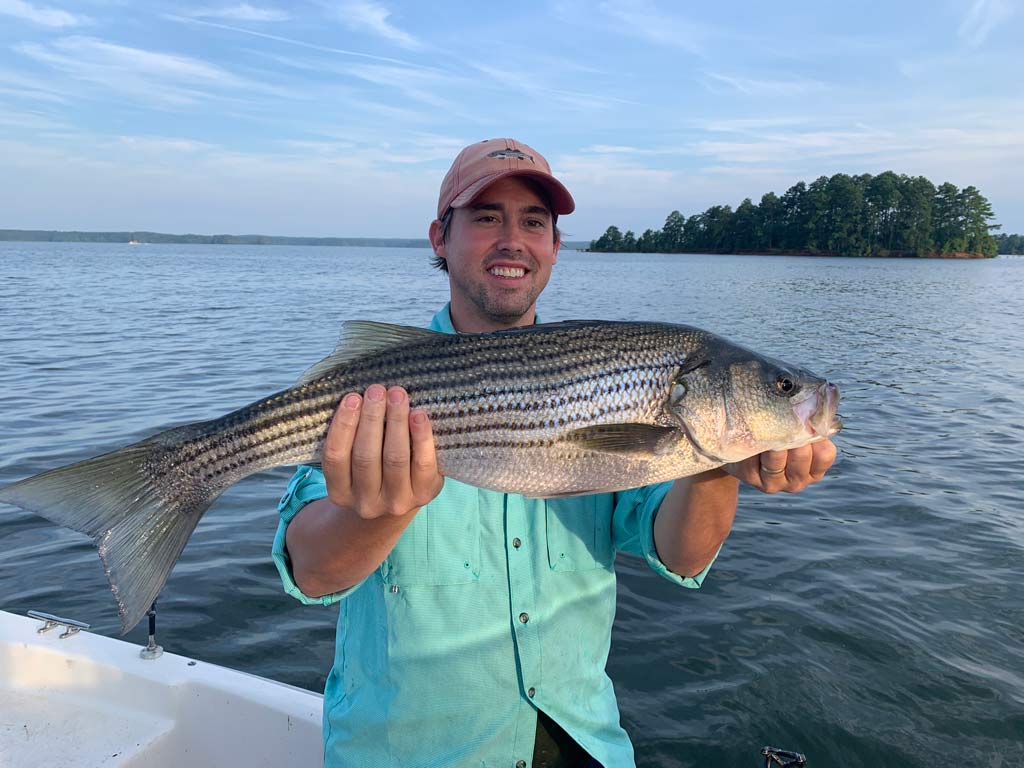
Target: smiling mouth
[(507, 271)]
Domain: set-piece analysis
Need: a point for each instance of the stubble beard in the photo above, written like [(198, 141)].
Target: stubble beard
[(501, 307)]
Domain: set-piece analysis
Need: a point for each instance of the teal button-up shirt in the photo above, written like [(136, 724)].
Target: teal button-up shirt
[(489, 607)]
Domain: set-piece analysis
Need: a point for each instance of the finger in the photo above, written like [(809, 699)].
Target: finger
[(746, 471), (772, 470), (366, 449), (396, 488), (822, 458), (426, 480), (336, 452), (798, 468), (798, 464)]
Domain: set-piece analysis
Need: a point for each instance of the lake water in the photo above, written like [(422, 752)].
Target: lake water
[(876, 619)]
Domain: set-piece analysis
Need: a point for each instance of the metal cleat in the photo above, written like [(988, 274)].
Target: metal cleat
[(71, 627), (782, 758)]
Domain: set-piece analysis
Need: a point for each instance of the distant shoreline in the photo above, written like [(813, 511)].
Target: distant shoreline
[(163, 238)]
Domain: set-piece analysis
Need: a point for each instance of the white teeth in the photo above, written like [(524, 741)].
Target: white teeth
[(507, 271)]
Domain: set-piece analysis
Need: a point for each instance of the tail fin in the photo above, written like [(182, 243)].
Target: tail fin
[(138, 508)]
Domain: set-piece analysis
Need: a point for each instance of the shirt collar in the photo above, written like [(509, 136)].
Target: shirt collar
[(443, 320)]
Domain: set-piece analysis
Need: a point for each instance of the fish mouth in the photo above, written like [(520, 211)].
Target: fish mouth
[(818, 410)]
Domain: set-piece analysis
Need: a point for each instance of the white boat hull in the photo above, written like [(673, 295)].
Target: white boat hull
[(89, 700)]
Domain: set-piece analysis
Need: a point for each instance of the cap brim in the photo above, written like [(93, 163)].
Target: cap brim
[(561, 200)]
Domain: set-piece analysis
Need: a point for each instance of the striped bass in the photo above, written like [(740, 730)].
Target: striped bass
[(546, 410)]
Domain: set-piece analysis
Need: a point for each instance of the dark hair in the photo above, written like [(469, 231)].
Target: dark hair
[(446, 223)]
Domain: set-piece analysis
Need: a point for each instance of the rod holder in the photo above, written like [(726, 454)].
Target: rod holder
[(152, 650)]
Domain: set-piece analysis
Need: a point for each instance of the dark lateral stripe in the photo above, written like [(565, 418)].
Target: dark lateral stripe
[(254, 426), (473, 445), (264, 453), (282, 410), (618, 382), (515, 407), (461, 371), (554, 423), (436, 373), (453, 361), (289, 418)]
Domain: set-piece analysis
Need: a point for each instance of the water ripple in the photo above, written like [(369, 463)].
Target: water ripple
[(874, 620)]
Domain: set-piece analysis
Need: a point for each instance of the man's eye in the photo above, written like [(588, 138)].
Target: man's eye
[(486, 217), (536, 223)]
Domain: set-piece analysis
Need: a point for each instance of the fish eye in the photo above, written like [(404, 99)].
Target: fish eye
[(785, 385)]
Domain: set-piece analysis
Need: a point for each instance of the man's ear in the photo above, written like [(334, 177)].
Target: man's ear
[(558, 244), (436, 241)]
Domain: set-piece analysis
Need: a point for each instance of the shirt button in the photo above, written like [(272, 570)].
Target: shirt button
[(524, 617), (517, 543), (530, 692), (520, 764)]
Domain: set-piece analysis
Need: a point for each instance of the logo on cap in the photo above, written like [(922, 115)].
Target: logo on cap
[(504, 154)]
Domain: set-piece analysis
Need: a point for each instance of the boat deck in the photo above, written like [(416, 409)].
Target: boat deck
[(89, 700)]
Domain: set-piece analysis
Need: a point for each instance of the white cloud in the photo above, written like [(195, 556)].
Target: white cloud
[(752, 124), (611, 173), (282, 39), (369, 16), (761, 87), (642, 19), (86, 52), (178, 185), (24, 87), (512, 76), (613, 149), (32, 121), (47, 17), (799, 148), (981, 18), (161, 147), (417, 84), (159, 79), (898, 145), (241, 12)]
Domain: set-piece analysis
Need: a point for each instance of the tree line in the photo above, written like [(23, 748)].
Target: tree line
[(1010, 244), (865, 215)]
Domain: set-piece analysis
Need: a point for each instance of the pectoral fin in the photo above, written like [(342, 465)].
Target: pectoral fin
[(628, 439)]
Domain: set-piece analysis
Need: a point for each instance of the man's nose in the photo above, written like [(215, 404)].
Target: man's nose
[(510, 236)]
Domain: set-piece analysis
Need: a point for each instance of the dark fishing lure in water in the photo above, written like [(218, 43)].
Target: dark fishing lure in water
[(548, 410)]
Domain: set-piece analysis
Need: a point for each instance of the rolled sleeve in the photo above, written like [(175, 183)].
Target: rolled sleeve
[(635, 511), (306, 485)]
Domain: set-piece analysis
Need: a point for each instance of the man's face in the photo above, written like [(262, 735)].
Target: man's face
[(500, 250)]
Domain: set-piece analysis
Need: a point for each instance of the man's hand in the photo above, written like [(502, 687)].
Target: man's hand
[(378, 458), (788, 471), (380, 468)]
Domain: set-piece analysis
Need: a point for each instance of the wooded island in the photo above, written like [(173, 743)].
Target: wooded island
[(841, 215)]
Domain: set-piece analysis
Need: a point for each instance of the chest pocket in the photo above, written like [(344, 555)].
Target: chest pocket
[(442, 544), (579, 532)]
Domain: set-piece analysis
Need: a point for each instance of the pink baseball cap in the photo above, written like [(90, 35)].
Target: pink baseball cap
[(481, 164)]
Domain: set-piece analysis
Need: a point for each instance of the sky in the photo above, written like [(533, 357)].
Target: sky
[(340, 117)]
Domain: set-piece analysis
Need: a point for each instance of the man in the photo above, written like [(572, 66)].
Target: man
[(475, 626)]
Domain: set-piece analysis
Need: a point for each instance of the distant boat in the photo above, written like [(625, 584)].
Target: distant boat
[(134, 242)]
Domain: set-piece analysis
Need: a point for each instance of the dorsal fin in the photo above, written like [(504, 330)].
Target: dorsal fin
[(364, 337)]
